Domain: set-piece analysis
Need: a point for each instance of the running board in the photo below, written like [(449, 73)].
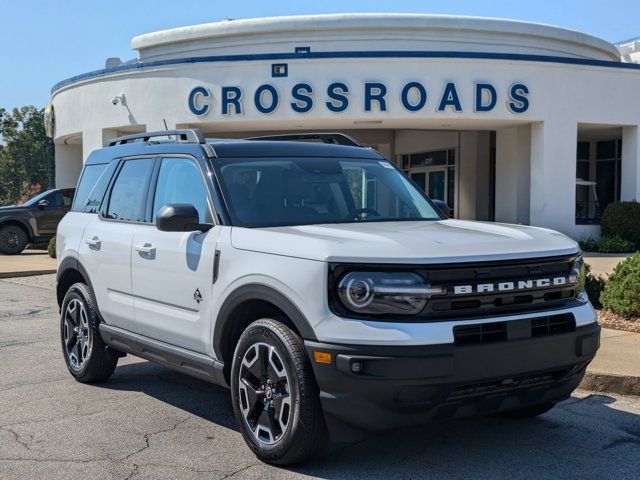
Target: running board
[(176, 358)]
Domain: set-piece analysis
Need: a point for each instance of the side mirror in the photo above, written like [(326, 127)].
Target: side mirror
[(443, 207), (179, 217), (43, 204)]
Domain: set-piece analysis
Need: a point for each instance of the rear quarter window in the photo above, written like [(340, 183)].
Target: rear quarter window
[(92, 187)]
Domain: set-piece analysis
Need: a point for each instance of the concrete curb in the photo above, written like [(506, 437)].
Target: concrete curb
[(610, 383), (28, 273)]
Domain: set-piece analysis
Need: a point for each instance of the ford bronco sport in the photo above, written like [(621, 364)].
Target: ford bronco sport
[(318, 283)]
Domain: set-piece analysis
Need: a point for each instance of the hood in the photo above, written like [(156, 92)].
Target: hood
[(406, 242), (13, 208)]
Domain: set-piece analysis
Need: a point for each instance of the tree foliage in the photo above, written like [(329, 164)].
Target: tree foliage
[(27, 156)]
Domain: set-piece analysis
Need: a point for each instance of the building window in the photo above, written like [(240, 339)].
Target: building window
[(434, 172), (598, 168)]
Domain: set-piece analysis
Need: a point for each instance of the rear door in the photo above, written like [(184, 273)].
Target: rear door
[(105, 250), (172, 272)]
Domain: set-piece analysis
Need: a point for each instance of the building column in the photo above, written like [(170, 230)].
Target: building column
[(553, 175), (467, 165), (68, 160), (630, 176), (512, 182)]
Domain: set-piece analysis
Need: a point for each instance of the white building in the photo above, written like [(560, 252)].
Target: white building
[(505, 120)]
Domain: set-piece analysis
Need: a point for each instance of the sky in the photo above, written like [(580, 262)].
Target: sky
[(46, 41)]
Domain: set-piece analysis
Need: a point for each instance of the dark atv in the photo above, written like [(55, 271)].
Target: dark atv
[(34, 221)]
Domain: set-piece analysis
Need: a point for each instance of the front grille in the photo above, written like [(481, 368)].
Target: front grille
[(525, 293), (507, 384), (495, 302), (553, 325), (480, 334), (413, 395), (484, 333)]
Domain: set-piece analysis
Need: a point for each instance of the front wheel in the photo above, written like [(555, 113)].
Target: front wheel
[(275, 396), (13, 240)]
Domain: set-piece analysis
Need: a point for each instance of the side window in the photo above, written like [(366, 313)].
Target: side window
[(128, 197), (67, 198), (94, 199), (55, 199), (180, 181), (88, 180)]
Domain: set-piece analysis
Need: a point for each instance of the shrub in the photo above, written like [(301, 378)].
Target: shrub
[(621, 294), (594, 285), (622, 219), (51, 249), (615, 244), (588, 245)]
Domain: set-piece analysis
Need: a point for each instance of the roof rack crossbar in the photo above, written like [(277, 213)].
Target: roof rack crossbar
[(192, 135), (334, 138)]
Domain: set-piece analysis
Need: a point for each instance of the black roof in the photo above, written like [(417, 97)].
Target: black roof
[(231, 148)]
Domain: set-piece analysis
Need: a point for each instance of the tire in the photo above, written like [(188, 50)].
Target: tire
[(87, 357), (530, 411), (13, 239), (296, 430)]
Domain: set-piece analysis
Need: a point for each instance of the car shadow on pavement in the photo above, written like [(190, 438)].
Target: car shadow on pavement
[(197, 397), (587, 436)]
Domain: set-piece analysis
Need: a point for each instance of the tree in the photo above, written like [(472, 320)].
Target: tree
[(27, 156)]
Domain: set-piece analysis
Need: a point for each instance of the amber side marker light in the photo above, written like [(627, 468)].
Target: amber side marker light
[(322, 357)]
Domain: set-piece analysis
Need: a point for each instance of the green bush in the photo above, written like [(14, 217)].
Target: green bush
[(615, 244), (594, 285), (621, 294), (51, 249), (588, 245), (622, 219)]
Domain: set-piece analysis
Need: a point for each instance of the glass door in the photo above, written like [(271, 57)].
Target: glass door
[(435, 173)]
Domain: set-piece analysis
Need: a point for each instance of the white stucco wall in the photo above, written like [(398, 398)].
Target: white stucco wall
[(535, 164)]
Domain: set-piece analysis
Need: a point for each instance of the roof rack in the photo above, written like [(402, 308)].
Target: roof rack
[(185, 136), (334, 138)]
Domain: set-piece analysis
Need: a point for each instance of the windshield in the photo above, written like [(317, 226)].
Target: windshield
[(33, 200), (306, 191)]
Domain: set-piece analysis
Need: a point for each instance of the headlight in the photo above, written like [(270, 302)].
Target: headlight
[(385, 293)]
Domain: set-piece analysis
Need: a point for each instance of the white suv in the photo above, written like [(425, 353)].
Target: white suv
[(318, 283)]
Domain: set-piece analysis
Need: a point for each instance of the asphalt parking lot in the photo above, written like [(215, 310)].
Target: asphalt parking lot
[(149, 422)]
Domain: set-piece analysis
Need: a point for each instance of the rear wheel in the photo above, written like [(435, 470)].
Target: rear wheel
[(275, 396), (530, 411), (13, 240), (88, 358)]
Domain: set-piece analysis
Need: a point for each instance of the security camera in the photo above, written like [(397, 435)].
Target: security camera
[(118, 99)]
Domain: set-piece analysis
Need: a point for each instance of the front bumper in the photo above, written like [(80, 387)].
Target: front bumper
[(402, 386)]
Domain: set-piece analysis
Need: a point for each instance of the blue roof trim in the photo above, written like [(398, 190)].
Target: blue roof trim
[(628, 40), (326, 55)]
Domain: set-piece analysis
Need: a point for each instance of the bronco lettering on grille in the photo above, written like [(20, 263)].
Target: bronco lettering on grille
[(528, 284)]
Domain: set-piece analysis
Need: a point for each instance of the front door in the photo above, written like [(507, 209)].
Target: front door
[(432, 181), (172, 272), (49, 214), (434, 172)]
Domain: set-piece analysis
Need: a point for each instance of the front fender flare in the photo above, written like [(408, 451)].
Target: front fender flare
[(20, 220), (265, 293)]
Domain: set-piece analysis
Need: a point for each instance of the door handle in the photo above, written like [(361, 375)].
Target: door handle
[(93, 242), (146, 248)]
